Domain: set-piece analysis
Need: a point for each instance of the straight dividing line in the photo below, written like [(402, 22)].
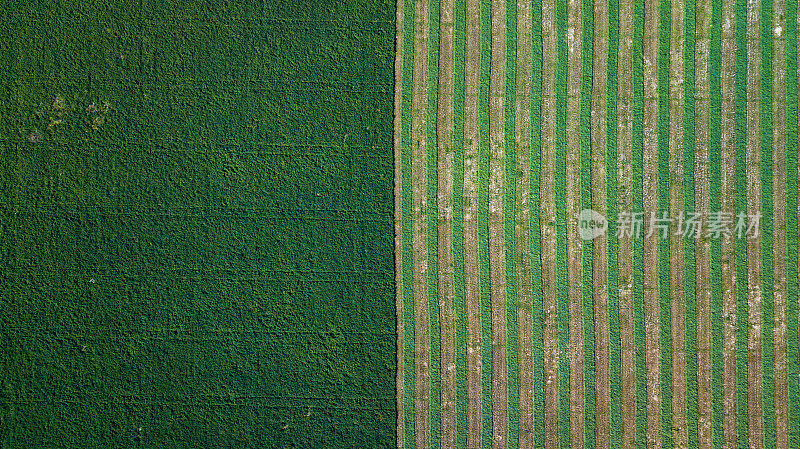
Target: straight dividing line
[(510, 220), (459, 19), (575, 272), (625, 174), (432, 221), (667, 28), (419, 191), (677, 294), (793, 389), (562, 314), (473, 293), (537, 314), (742, 306), (550, 376), (496, 223), (754, 150), (588, 246), (406, 415), (521, 426), (637, 148), (778, 105), (487, 353), (612, 183), (766, 233), (727, 204), (715, 162), (597, 414), (446, 306), (702, 245), (690, 266)]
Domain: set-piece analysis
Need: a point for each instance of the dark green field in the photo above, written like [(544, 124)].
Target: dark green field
[(196, 224)]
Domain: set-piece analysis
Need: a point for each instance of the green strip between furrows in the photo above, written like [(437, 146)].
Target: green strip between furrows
[(742, 308), (778, 110), (689, 148), (510, 213), (585, 126), (537, 313), (637, 142), (483, 220), (666, 29), (406, 225), (612, 183), (767, 285), (562, 314), (431, 214), (459, 293), (715, 162)]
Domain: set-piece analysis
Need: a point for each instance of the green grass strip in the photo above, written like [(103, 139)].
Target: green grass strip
[(585, 126), (638, 205), (483, 224), (742, 306), (562, 309), (432, 215), (665, 309), (510, 225), (791, 223), (715, 204), (537, 313), (611, 214), (767, 272), (690, 274), (459, 294), (406, 223)]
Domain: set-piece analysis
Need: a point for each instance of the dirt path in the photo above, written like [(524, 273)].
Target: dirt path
[(420, 228), (522, 230), (702, 205), (574, 243), (729, 315), (625, 176), (650, 195), (471, 225), (599, 275), (754, 400), (497, 261), (445, 238), (676, 254), (398, 230), (781, 392), (548, 225)]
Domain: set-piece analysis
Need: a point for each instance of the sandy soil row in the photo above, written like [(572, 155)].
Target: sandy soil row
[(445, 238), (522, 230), (702, 204), (574, 243), (599, 275), (497, 261), (548, 229), (754, 401), (650, 196), (625, 200), (781, 391), (420, 228), (472, 64)]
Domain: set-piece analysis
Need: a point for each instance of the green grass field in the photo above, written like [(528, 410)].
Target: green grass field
[(196, 224)]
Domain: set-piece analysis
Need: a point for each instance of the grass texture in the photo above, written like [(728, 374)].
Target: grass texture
[(196, 224)]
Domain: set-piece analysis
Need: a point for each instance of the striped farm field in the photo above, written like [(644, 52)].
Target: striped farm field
[(596, 217)]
